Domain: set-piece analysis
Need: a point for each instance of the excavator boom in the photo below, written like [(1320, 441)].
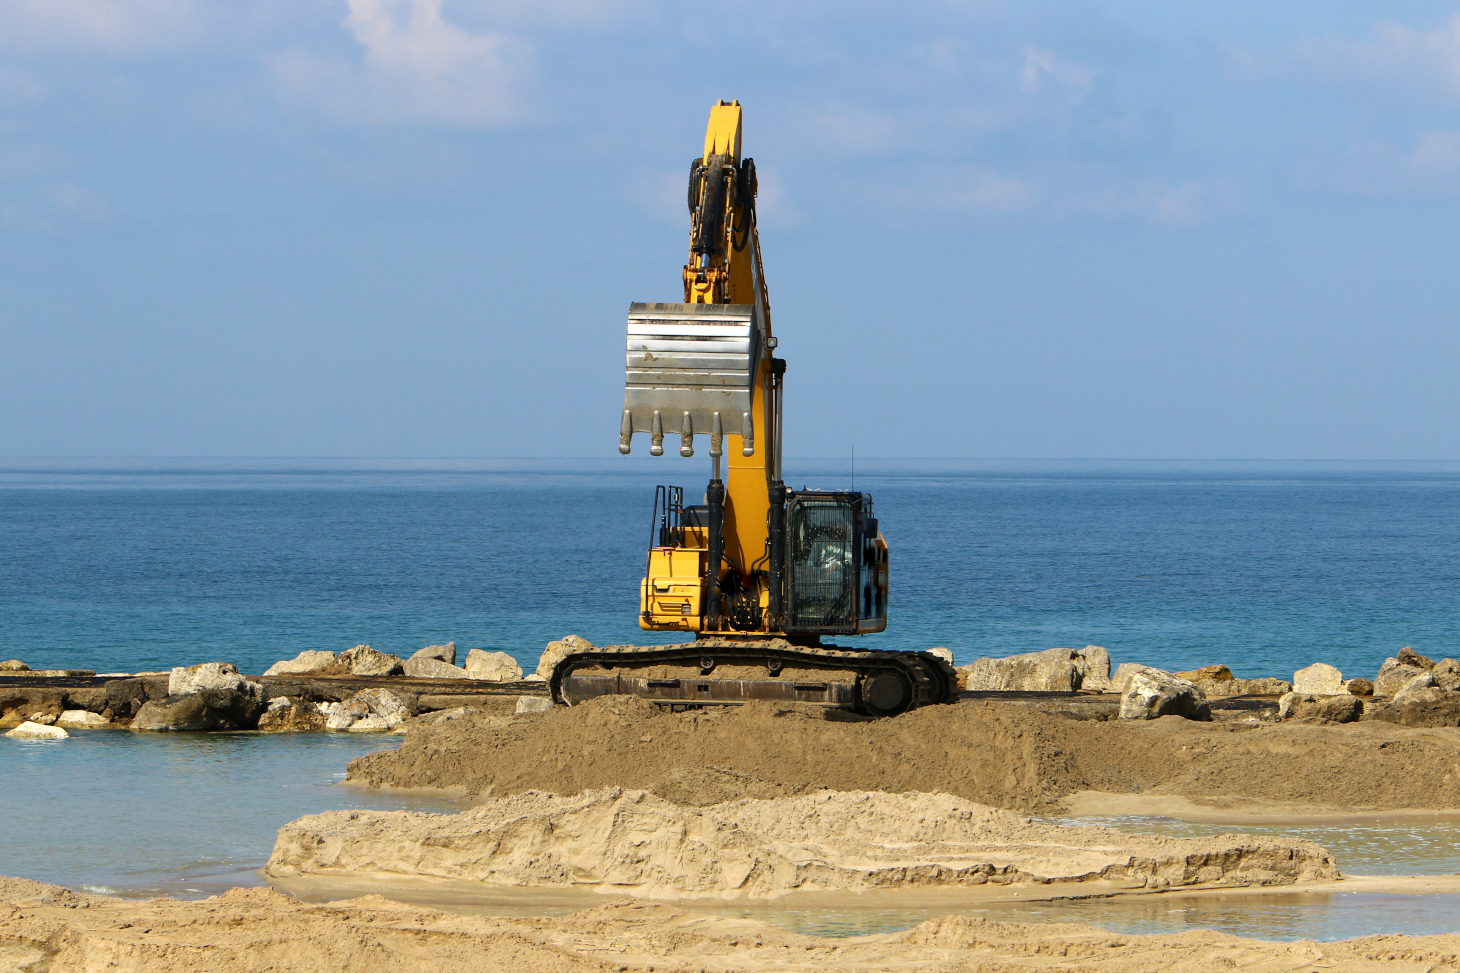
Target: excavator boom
[(757, 573)]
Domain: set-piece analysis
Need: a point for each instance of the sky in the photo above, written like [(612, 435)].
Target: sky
[(412, 228)]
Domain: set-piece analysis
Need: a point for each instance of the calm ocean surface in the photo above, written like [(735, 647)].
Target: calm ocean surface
[(1265, 567)]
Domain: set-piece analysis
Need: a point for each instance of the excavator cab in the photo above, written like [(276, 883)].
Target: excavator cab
[(829, 576)]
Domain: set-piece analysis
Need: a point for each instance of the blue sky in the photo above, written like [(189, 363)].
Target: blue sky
[(412, 228)]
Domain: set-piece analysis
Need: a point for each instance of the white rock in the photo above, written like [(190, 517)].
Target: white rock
[(44, 719), (186, 680), (370, 724), (1154, 693), (430, 667), (341, 719), (82, 719), (1052, 670), (37, 731), (556, 650), (945, 654), (1320, 679), (533, 704), (534, 677), (1391, 680), (310, 660), (492, 666), (1424, 680), (362, 660), (441, 653), (1093, 661)]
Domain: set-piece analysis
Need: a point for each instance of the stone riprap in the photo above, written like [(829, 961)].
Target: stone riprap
[(1053, 670), (1319, 679), (555, 652), (1152, 693), (307, 661), (492, 666), (441, 653)]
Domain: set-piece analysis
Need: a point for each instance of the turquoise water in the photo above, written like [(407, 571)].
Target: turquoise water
[(1264, 567), (180, 814)]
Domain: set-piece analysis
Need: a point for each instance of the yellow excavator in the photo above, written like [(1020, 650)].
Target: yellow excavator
[(757, 573)]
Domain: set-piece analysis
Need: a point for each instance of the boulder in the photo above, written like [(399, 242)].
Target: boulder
[(289, 715), (82, 719), (37, 731), (44, 718), (441, 653), (211, 709), (945, 654), (1152, 693), (341, 716), (310, 660), (555, 651), (1127, 670), (1319, 679), (1418, 706), (533, 704), (493, 666), (534, 677), (1425, 680), (382, 704), (14, 665), (1393, 678), (1359, 687), (186, 680), (1408, 657), (1447, 674), (370, 724), (1266, 686), (1342, 708), (362, 660), (1093, 661), (430, 667), (1053, 670), (1217, 682), (1207, 674)]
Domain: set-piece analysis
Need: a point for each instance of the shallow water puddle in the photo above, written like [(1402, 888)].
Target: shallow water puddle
[(1360, 846), (180, 814), (1275, 917)]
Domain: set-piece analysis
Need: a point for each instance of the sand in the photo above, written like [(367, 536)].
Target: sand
[(990, 753), (47, 928), (624, 841)]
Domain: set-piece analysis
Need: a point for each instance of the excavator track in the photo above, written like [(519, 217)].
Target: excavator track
[(720, 672)]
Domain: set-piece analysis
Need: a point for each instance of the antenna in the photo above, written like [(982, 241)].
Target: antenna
[(854, 469)]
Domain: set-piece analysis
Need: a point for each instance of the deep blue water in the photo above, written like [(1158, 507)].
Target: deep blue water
[(1266, 567)]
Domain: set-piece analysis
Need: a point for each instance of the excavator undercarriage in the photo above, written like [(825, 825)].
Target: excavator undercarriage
[(758, 573)]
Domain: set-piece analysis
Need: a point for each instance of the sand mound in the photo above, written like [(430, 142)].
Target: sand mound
[(632, 842), (992, 753), (249, 931)]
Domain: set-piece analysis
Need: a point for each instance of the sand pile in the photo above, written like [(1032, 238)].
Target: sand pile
[(43, 927), (631, 842), (992, 753)]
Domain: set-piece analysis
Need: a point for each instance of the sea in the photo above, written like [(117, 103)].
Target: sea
[(141, 565), (1265, 567)]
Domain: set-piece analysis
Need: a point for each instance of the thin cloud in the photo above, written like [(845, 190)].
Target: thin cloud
[(113, 25), (414, 66), (1393, 55)]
